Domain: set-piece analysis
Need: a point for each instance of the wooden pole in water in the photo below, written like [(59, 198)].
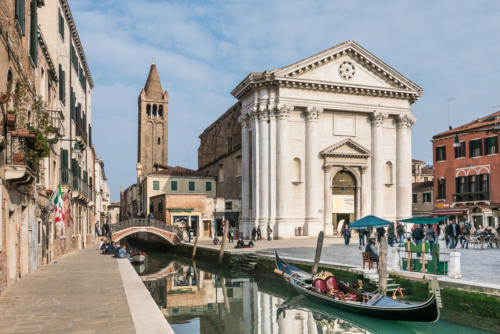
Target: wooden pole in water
[(317, 256), (382, 266), (196, 239), (223, 243)]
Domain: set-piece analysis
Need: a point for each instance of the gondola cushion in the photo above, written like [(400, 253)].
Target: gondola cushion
[(320, 284)]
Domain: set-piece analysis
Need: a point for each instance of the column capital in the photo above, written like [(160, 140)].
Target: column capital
[(281, 111), (312, 113), (243, 119), (364, 169), (378, 118), (405, 121), (263, 113)]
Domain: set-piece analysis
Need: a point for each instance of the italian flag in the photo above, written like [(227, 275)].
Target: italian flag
[(58, 202)]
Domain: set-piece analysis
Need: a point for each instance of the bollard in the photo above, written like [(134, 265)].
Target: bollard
[(394, 264), (454, 270)]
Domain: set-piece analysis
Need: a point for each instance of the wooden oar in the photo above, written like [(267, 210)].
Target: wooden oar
[(317, 256), (282, 273)]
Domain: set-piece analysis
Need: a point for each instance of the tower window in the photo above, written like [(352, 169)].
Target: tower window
[(159, 141), (154, 109), (148, 110), (160, 111)]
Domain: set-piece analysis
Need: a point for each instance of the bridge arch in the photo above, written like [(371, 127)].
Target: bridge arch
[(149, 225)]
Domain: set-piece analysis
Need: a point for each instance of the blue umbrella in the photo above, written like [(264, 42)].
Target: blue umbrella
[(369, 221)]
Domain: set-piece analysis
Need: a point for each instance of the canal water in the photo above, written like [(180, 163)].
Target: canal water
[(203, 298)]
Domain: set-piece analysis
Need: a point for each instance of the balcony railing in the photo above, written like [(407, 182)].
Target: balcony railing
[(18, 149), (472, 196), (77, 184)]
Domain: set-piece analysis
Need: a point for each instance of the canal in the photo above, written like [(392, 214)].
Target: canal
[(198, 297)]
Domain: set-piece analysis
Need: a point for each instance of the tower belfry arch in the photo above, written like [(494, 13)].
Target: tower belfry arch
[(152, 143)]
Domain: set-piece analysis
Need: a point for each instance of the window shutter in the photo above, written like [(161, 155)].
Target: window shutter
[(64, 158), (34, 32), (21, 16), (470, 149)]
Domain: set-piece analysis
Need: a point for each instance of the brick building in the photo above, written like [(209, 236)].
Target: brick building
[(422, 188), (467, 171)]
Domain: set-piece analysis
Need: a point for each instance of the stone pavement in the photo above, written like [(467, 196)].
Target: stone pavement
[(477, 265), (82, 293)]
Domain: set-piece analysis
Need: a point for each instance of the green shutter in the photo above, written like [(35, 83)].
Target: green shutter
[(64, 158), (20, 7), (173, 186), (34, 32), (208, 186), (191, 186), (156, 185), (61, 25)]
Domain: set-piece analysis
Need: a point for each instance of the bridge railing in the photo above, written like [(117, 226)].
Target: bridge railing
[(147, 222)]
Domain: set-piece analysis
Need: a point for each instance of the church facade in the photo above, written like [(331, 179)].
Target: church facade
[(324, 141)]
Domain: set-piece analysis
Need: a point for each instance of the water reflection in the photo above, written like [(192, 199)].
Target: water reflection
[(196, 298)]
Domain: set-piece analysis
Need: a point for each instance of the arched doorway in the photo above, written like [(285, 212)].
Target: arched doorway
[(344, 199)]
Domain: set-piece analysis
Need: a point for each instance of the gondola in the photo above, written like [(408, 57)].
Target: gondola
[(354, 300)]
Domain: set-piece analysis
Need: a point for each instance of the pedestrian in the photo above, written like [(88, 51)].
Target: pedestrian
[(101, 244), (97, 229), (391, 235), (346, 233), (269, 232), (380, 233), (418, 236), (401, 234), (150, 215), (231, 235), (371, 251), (254, 233), (429, 235), (259, 233), (122, 252), (361, 235)]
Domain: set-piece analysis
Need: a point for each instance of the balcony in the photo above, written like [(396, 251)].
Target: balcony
[(474, 196), (79, 186), (56, 119), (18, 168)]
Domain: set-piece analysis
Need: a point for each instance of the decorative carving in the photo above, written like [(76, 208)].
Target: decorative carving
[(281, 111), (254, 113), (263, 113), (364, 169), (346, 70), (405, 121), (313, 112), (378, 118), (243, 119)]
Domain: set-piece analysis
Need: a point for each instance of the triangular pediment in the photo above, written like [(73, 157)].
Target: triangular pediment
[(346, 148), (348, 64)]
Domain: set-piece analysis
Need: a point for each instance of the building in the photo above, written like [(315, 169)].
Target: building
[(421, 172), (422, 188), (114, 212), (467, 171), (181, 197), (152, 138), (41, 60), (219, 154), (324, 141), (101, 192)]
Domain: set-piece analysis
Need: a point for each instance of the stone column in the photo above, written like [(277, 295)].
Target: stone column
[(254, 123), (272, 169), (365, 192), (282, 163), (403, 166), (263, 169), (312, 173), (245, 176), (377, 167)]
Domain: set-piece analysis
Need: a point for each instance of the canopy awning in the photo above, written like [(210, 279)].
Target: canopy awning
[(424, 220), (369, 221), (449, 212)]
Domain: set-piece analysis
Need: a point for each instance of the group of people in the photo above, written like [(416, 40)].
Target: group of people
[(111, 247), (104, 230)]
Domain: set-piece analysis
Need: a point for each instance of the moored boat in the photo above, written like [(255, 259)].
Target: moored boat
[(137, 257), (325, 289)]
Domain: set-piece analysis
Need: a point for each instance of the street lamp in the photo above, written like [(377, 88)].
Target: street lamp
[(457, 142)]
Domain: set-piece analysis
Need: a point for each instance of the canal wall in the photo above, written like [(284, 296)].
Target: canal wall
[(467, 303)]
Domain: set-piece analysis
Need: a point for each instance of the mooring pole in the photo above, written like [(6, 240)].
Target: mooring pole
[(382, 266), (317, 256), (223, 243), (196, 239)]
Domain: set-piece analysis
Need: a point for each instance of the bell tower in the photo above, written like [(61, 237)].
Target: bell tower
[(152, 143)]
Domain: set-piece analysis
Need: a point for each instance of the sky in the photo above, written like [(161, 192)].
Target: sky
[(203, 49)]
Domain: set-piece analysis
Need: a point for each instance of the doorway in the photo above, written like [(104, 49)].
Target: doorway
[(344, 200)]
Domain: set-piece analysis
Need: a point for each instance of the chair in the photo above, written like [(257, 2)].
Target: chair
[(366, 259)]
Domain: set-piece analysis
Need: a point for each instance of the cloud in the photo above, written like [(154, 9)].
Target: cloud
[(204, 48)]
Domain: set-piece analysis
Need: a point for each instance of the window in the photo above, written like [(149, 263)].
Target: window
[(460, 151), (160, 111), (159, 141), (426, 198), (414, 198), (62, 85), (238, 166), (388, 173), (20, 5), (61, 25), (440, 153), (74, 58), (148, 110), (484, 185), (475, 148), (220, 173), (229, 205), (491, 145), (64, 158), (191, 186), (173, 185), (154, 109), (460, 188), (156, 185), (208, 186), (473, 183), (160, 206), (34, 32), (441, 189), (296, 170)]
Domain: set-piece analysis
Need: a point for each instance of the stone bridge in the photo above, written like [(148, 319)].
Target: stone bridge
[(171, 234)]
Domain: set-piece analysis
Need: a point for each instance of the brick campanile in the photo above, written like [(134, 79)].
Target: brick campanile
[(153, 125)]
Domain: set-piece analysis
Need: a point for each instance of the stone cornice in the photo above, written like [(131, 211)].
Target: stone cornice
[(361, 152), (43, 45)]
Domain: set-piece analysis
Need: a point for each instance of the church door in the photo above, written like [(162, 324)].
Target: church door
[(344, 200)]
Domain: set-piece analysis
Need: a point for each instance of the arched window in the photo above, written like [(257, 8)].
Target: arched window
[(220, 173), (160, 111), (159, 141), (148, 110), (154, 109), (296, 171), (388, 173), (10, 81)]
